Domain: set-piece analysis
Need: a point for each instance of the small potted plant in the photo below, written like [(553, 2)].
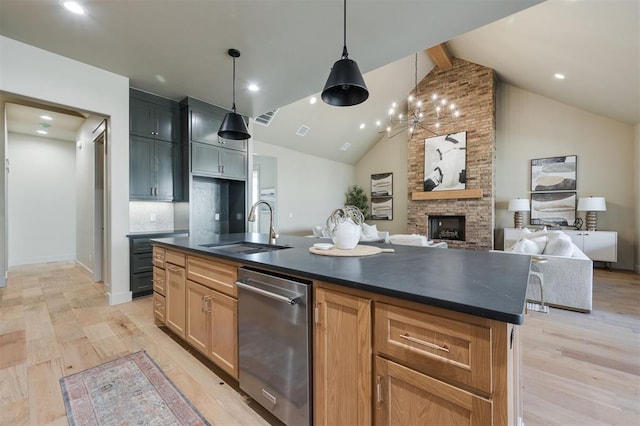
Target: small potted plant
[(344, 225)]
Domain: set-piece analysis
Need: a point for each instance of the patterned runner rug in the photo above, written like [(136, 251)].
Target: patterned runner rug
[(129, 390)]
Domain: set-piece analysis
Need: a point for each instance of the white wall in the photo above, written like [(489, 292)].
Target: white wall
[(41, 200), (637, 192), (308, 188), (388, 155), (531, 126), (41, 75)]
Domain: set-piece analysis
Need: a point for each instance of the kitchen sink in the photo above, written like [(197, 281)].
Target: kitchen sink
[(244, 247)]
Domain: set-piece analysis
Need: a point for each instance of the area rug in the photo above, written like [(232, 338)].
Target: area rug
[(131, 390)]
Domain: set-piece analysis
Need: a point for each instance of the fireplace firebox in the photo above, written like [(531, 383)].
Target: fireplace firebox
[(446, 228)]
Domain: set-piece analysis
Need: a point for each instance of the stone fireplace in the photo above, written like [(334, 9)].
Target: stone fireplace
[(472, 87)]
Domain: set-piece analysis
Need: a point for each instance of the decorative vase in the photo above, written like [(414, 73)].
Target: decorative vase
[(346, 236)]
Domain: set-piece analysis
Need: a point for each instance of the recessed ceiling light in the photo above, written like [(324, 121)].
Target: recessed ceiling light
[(313, 100), (161, 78), (345, 146), (559, 76), (362, 125), (42, 132), (74, 7), (253, 87), (46, 117)]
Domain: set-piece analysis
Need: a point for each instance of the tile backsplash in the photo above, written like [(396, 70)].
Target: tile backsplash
[(151, 216)]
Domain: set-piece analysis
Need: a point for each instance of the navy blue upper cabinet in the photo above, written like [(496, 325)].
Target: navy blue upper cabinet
[(153, 117)]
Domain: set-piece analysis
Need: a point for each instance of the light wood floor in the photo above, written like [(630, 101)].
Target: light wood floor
[(578, 369)]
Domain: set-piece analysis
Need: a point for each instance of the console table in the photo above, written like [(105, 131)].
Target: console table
[(600, 246)]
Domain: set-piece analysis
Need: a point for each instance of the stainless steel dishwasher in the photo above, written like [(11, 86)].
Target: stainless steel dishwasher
[(274, 343)]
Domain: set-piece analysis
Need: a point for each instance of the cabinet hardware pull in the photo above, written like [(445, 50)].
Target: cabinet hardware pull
[(222, 168), (423, 343), (379, 399), (155, 191), (208, 303), (151, 191), (202, 309)]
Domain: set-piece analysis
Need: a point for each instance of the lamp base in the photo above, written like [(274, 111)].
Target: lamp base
[(591, 220), (518, 220)]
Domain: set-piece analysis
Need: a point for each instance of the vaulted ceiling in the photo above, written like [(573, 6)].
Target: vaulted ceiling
[(177, 48)]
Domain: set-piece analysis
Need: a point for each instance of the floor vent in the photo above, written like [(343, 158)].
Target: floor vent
[(303, 130), (266, 118)]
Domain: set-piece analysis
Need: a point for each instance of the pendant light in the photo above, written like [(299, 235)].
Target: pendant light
[(345, 85), (233, 126)]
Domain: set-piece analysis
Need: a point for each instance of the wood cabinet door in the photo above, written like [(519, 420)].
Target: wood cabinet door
[(141, 120), (234, 164), (205, 160), (164, 167), (175, 299), (406, 397), (141, 164), (342, 359), (197, 316), (223, 331), (601, 245)]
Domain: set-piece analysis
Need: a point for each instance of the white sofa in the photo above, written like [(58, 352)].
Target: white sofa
[(568, 278)]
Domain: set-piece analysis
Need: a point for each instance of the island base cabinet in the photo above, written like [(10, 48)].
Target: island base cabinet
[(407, 397), (342, 359), (212, 326), (175, 298)]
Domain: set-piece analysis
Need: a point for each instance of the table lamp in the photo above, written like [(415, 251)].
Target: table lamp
[(591, 205), (518, 206)]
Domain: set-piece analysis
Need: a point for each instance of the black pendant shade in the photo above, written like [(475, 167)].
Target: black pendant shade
[(345, 85), (233, 126)]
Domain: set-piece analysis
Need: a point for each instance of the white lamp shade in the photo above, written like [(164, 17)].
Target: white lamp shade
[(592, 204), (519, 205)]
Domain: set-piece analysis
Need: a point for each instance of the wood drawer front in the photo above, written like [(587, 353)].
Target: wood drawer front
[(159, 280), (175, 258), (408, 397), (159, 256), (220, 276), (159, 307), (455, 351)]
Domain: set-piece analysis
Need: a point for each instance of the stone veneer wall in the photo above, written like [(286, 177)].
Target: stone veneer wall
[(473, 88)]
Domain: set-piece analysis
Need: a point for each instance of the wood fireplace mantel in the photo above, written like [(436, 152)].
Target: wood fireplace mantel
[(447, 195)]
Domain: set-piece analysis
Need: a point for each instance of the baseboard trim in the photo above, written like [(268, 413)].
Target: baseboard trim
[(85, 269), (44, 259), (116, 299)]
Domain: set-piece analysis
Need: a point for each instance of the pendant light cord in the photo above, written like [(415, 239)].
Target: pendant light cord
[(345, 54), (234, 85)]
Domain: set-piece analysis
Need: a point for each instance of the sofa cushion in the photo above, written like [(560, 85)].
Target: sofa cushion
[(559, 244)]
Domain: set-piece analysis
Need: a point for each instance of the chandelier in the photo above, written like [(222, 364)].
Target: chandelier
[(418, 115)]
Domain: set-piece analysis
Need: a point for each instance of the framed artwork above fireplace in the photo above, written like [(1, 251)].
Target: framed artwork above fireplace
[(445, 162)]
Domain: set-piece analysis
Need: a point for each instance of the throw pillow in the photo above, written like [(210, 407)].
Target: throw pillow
[(527, 246), (560, 245), (369, 232)]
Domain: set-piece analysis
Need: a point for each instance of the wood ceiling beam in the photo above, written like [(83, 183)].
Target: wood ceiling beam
[(441, 56)]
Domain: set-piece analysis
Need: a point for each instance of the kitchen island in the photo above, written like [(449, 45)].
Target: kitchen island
[(431, 332)]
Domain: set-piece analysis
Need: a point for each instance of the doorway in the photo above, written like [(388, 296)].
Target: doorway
[(68, 218), (264, 187), (99, 240)]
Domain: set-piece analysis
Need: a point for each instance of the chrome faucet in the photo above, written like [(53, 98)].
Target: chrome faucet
[(252, 218)]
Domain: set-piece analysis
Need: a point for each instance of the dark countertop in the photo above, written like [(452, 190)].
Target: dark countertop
[(157, 234), (485, 284)]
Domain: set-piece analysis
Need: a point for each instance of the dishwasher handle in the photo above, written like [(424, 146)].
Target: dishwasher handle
[(275, 296)]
